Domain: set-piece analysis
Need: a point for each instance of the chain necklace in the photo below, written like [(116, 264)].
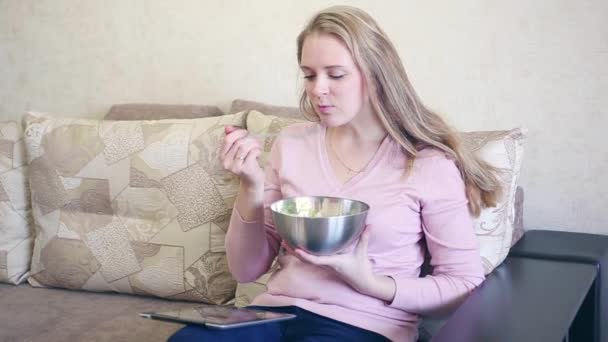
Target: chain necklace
[(349, 169)]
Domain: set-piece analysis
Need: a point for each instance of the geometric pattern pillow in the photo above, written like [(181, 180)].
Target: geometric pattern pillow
[(495, 226), (138, 207), (15, 225)]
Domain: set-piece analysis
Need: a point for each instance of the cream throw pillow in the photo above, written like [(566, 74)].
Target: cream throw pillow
[(494, 227), (15, 222), (136, 207)]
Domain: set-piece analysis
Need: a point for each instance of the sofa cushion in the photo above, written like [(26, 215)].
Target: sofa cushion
[(152, 111), (55, 315), (240, 105), (15, 222), (131, 206), (494, 227)]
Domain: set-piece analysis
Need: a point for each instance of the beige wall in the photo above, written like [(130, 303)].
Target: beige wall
[(541, 64)]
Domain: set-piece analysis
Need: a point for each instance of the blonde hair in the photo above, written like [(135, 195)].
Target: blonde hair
[(394, 100)]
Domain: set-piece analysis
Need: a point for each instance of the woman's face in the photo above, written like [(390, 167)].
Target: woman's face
[(333, 82)]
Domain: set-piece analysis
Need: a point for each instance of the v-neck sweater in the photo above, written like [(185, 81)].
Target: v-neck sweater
[(426, 205)]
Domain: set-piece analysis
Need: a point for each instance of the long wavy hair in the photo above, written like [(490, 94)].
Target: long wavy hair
[(392, 97)]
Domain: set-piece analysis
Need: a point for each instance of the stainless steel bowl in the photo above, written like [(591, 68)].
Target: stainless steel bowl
[(319, 225)]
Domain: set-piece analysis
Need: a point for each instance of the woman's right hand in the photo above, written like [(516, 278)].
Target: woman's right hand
[(239, 153)]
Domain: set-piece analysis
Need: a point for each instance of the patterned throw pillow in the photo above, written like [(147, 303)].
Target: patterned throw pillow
[(15, 222), (494, 227), (136, 207)]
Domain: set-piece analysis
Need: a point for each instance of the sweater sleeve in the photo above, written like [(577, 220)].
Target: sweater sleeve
[(251, 246), (451, 241)]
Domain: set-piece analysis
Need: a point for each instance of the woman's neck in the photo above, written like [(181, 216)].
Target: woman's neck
[(360, 131)]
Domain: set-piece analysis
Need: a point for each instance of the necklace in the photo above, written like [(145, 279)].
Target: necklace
[(349, 169)]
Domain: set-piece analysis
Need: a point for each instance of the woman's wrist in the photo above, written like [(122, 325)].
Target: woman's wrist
[(250, 201), (381, 287)]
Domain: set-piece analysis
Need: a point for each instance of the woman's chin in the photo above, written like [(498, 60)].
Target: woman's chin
[(332, 122), (328, 123)]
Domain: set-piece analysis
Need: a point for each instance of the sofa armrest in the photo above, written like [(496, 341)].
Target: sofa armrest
[(591, 249), (524, 299)]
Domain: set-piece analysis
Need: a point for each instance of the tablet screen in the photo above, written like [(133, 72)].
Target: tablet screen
[(219, 316)]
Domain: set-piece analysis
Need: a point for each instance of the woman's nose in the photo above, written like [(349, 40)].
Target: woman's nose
[(320, 86)]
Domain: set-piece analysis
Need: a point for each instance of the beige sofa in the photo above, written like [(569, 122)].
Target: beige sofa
[(50, 314)]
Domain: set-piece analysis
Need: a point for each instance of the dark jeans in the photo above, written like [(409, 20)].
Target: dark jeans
[(307, 326)]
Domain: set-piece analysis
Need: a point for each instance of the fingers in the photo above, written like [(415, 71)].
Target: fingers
[(236, 148), (318, 260), (287, 247), (229, 129), (243, 146), (243, 154), (252, 156), (290, 250), (231, 138), (300, 254)]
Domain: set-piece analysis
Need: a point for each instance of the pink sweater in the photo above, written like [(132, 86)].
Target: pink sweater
[(429, 203)]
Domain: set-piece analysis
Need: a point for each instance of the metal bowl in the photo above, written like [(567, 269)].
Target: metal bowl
[(319, 225)]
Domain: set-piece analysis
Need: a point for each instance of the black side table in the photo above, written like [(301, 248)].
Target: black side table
[(591, 249), (523, 300)]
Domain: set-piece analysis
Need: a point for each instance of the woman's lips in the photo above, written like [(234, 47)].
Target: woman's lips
[(324, 109)]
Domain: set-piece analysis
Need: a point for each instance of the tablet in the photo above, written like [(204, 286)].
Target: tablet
[(219, 316)]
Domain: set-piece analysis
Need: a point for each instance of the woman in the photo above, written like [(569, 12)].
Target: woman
[(372, 140)]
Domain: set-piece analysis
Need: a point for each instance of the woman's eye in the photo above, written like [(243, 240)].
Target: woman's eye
[(335, 77), (309, 77)]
